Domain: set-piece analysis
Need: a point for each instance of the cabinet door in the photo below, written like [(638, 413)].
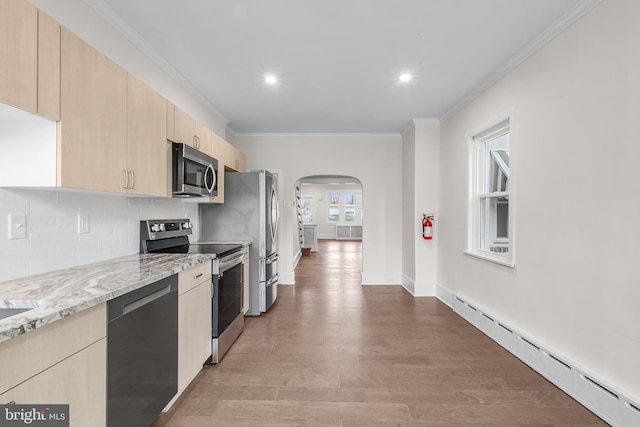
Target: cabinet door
[(204, 139), (242, 161), (184, 128), (48, 67), (218, 153), (92, 144), (79, 381), (194, 332), (234, 158), (147, 147), (19, 54)]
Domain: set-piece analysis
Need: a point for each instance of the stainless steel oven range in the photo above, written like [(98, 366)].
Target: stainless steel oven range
[(171, 236)]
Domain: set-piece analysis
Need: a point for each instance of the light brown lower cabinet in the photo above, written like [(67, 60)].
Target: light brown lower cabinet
[(194, 323), (77, 381), (61, 363)]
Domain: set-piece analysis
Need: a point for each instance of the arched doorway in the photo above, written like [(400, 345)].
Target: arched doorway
[(329, 207)]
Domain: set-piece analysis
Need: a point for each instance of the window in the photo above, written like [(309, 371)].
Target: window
[(334, 207), (349, 207), (306, 208), (489, 216), (343, 207)]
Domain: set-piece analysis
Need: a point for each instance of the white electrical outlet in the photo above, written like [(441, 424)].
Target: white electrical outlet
[(17, 226), (83, 223)]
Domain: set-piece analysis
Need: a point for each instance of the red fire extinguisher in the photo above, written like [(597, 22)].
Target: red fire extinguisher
[(427, 227)]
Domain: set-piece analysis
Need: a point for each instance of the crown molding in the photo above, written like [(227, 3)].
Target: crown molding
[(239, 135), (564, 22), (415, 122), (109, 15)]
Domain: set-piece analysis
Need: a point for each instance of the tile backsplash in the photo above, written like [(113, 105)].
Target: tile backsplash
[(53, 241)]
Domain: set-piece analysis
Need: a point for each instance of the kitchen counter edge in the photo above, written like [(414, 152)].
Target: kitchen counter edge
[(65, 292)]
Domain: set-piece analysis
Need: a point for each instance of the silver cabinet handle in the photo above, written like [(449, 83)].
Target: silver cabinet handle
[(195, 141), (126, 178), (133, 180)]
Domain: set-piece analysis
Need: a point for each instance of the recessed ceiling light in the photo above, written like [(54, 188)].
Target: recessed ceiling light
[(405, 77), (271, 79)]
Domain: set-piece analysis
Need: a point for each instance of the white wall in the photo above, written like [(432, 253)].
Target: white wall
[(420, 189), (575, 285), (374, 159), (409, 207), (52, 239), (427, 191)]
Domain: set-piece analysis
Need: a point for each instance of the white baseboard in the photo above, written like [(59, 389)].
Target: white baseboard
[(296, 259), (444, 295), (287, 278), (381, 278), (601, 397), (408, 284), (418, 289)]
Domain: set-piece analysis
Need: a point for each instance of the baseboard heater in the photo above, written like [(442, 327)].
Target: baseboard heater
[(613, 407)]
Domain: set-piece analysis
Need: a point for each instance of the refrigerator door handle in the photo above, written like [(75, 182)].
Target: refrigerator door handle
[(273, 280), (275, 213), (272, 258)]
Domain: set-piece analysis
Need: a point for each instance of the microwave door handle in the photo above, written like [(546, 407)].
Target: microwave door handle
[(215, 177), (209, 170)]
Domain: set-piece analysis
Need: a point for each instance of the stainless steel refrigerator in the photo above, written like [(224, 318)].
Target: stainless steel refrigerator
[(249, 213)]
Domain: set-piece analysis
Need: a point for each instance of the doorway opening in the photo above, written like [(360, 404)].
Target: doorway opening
[(329, 213)]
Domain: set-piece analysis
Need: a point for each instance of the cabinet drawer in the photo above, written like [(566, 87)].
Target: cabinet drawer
[(78, 381), (27, 355), (189, 279)]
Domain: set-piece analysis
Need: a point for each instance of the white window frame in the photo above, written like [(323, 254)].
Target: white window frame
[(342, 207), (480, 219), (312, 200)]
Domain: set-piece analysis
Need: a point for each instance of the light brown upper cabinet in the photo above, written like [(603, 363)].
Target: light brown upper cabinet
[(30, 65), (92, 133), (235, 160), (19, 54), (148, 152), (187, 130), (184, 128), (48, 67), (203, 134)]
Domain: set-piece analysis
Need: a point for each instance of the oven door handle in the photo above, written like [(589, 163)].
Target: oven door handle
[(227, 263)]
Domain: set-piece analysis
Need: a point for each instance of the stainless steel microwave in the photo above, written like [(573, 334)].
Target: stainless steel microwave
[(194, 173)]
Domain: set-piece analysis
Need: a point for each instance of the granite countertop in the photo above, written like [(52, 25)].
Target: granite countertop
[(61, 293)]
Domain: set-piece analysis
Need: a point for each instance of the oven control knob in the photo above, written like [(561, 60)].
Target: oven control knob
[(161, 227), (186, 225), (155, 228)]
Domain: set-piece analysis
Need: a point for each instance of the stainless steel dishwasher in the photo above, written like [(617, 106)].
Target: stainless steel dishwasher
[(142, 353)]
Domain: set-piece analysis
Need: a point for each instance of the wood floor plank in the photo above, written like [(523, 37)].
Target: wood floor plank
[(333, 353)]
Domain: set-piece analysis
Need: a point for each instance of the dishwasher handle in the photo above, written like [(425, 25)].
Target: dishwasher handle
[(128, 308), (135, 299)]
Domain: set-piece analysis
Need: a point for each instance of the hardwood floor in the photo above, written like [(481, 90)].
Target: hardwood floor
[(331, 352)]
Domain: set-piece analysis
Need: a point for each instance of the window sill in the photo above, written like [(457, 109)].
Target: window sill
[(495, 258)]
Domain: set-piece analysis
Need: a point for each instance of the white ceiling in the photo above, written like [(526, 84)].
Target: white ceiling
[(337, 61)]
